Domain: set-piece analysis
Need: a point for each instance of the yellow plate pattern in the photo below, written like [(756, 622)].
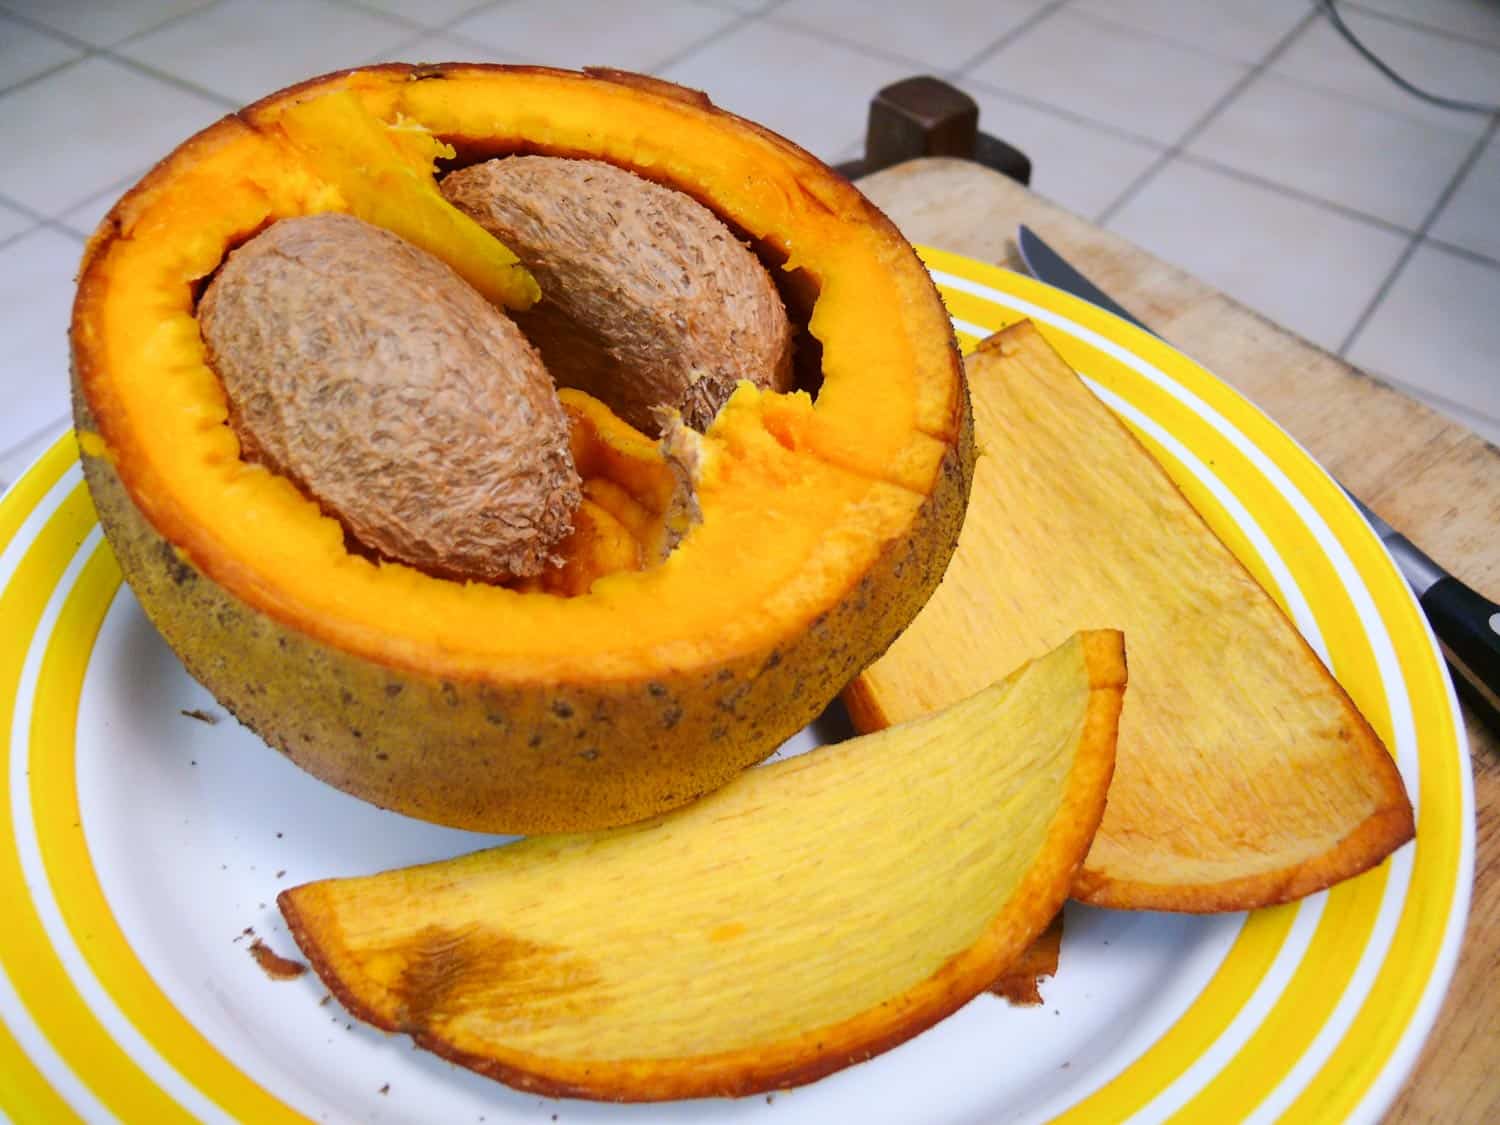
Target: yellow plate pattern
[(1316, 1013)]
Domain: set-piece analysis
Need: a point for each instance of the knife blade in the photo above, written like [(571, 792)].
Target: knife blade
[(1046, 264), (1465, 622)]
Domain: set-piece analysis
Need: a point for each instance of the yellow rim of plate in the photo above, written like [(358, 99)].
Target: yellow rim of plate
[(1316, 1012)]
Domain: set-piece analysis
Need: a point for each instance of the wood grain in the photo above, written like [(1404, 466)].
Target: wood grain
[(1432, 478)]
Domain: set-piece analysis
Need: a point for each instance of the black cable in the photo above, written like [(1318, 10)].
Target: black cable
[(1379, 64)]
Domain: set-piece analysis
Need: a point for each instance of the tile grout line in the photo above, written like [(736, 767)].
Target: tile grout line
[(40, 219), (471, 10), (39, 222), (30, 212), (1417, 239), (992, 87), (399, 18), (63, 229), (1066, 114), (1377, 107), (1036, 19), (166, 23), (1290, 80), (116, 189), (823, 36), (149, 71), (1416, 25), (1419, 392), (103, 49), (1110, 21), (21, 84), (445, 29), (408, 41), (442, 27), (1333, 206), (448, 25), (90, 51), (739, 21), (466, 40), (35, 25), (20, 234), (1477, 257), (1155, 169)]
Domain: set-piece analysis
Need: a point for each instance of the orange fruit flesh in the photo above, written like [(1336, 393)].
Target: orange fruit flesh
[(838, 482), (630, 511)]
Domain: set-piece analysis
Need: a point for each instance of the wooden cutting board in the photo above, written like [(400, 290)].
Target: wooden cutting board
[(1434, 479)]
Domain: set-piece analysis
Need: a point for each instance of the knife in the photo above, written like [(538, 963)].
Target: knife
[(1466, 623)]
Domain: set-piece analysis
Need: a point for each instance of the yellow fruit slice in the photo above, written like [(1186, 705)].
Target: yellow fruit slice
[(384, 172), (1246, 776), (808, 915)]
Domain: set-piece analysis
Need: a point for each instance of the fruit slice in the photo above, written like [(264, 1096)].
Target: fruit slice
[(1246, 776), (809, 915)]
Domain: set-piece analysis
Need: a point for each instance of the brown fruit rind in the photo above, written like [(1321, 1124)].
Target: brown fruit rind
[(381, 732), (424, 696)]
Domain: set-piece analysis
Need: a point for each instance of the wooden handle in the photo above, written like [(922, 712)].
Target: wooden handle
[(925, 116), (921, 116)]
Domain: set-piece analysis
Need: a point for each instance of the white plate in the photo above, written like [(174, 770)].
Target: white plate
[(139, 844)]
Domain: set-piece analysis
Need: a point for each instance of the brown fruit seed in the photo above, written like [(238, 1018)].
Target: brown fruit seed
[(369, 373), (648, 300)]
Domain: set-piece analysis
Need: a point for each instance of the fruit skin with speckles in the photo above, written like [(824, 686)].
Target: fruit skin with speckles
[(824, 524)]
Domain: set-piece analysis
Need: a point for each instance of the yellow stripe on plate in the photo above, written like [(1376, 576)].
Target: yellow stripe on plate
[(23, 496), (1166, 1060), (1316, 990), (977, 311), (70, 870), (1405, 975), (25, 1095), (1264, 934), (1305, 1004), (983, 297), (1365, 1047), (26, 953)]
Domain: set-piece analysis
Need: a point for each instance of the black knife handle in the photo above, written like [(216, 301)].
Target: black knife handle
[(1467, 625)]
